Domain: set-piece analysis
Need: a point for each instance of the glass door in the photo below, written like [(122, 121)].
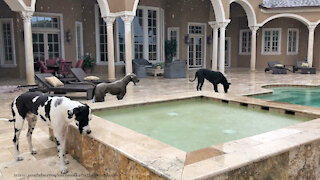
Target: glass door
[(53, 45), (195, 52), (38, 49), (45, 46)]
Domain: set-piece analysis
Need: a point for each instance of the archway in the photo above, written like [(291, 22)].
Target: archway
[(252, 20)]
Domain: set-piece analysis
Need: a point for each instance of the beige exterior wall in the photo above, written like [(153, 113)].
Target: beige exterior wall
[(284, 24), (118, 5), (316, 48), (71, 11), (18, 71), (179, 13)]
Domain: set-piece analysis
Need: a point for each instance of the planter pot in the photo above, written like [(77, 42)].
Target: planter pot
[(88, 70)]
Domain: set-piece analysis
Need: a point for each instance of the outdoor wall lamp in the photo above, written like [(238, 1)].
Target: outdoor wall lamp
[(68, 36), (186, 39), (209, 39)]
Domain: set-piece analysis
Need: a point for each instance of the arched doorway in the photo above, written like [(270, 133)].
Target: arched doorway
[(283, 38)]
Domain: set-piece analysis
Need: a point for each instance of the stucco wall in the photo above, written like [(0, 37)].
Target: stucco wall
[(284, 24), (316, 48), (179, 13), (18, 71), (71, 11)]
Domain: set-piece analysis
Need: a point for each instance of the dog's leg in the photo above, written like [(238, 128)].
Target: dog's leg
[(200, 83), (18, 124), (32, 121), (61, 141), (215, 87), (121, 95)]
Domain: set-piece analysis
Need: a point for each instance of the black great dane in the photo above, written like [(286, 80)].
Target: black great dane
[(57, 112), (214, 77)]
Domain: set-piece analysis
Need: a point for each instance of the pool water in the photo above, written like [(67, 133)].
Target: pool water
[(294, 95), (197, 123)]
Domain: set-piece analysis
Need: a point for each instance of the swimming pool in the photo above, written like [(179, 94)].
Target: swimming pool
[(308, 96), (197, 123)]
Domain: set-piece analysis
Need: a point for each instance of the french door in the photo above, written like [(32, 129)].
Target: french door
[(196, 52), (45, 46)]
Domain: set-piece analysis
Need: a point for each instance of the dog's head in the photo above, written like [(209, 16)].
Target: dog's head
[(82, 116), (226, 87), (134, 78)]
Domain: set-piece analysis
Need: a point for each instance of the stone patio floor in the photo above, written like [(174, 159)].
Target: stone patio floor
[(44, 165)]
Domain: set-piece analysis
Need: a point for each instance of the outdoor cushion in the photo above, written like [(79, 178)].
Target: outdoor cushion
[(91, 78), (278, 65), (55, 82), (304, 65)]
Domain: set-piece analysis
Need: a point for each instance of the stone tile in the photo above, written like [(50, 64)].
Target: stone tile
[(202, 154), (44, 169)]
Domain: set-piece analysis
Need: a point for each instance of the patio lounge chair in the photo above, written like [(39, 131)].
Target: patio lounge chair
[(175, 69), (140, 66), (303, 69), (273, 66), (80, 75), (41, 77)]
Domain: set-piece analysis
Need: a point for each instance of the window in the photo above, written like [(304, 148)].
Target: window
[(152, 35), (245, 42), (8, 58), (79, 40), (47, 36), (293, 41), (271, 41), (103, 44), (138, 35), (44, 22), (121, 40), (173, 34)]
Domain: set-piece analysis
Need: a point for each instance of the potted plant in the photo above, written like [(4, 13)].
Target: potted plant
[(170, 50), (88, 62)]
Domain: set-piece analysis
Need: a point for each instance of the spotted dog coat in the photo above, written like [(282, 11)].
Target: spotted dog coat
[(57, 112)]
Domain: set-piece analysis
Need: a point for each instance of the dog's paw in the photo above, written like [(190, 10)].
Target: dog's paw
[(19, 158), (33, 151), (66, 161), (64, 170)]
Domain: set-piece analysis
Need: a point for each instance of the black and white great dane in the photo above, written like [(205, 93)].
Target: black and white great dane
[(57, 112)]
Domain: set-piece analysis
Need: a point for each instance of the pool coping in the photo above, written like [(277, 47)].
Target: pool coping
[(169, 162)]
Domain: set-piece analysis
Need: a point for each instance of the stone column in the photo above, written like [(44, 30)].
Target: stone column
[(215, 28), (111, 68), (310, 44), (222, 26), (26, 16), (253, 47), (127, 19)]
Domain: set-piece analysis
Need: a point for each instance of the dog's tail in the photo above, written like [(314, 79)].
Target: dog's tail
[(9, 120), (93, 93), (195, 77)]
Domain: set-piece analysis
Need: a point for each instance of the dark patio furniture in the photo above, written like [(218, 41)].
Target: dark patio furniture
[(65, 67), (272, 65), (52, 61), (305, 70), (41, 77), (79, 63), (44, 68), (175, 69), (80, 75), (139, 67)]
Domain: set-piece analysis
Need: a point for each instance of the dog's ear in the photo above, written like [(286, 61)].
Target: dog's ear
[(70, 114)]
